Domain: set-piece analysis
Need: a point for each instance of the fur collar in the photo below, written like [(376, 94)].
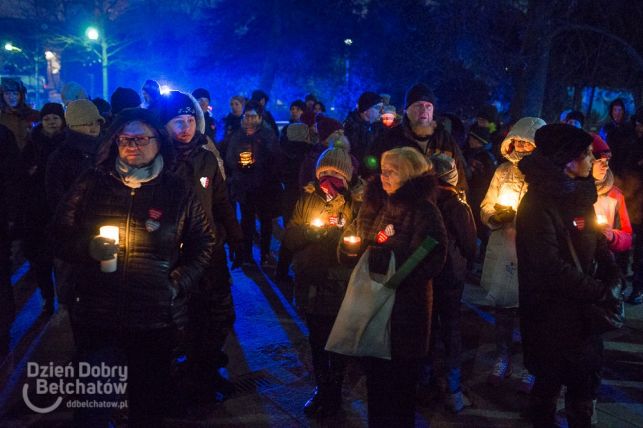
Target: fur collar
[(416, 189)]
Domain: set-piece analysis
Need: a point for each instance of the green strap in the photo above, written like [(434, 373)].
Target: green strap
[(411, 263)]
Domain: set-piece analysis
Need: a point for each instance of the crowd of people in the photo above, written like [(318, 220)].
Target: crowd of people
[(550, 212)]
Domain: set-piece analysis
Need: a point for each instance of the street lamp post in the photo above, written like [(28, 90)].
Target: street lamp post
[(94, 35)]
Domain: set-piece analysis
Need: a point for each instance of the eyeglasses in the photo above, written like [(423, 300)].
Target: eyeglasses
[(138, 140)]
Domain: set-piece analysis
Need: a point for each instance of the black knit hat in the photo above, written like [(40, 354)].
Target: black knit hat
[(176, 103), (561, 143), (419, 92), (123, 98), (52, 108), (368, 100), (201, 93)]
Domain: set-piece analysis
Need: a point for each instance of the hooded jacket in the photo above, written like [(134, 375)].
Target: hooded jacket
[(18, 119), (554, 294), (412, 212), (166, 243)]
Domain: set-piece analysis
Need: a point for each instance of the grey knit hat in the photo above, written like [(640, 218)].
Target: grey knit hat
[(82, 112)]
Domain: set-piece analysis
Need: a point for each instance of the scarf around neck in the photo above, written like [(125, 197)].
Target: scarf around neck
[(133, 177)]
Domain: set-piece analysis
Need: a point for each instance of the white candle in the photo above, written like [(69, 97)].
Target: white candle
[(352, 243), (110, 232), (508, 199), (601, 219)]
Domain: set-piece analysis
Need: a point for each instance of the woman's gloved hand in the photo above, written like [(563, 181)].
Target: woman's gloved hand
[(101, 248)]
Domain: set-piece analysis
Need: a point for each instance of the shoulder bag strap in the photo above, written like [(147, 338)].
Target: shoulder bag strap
[(411, 263)]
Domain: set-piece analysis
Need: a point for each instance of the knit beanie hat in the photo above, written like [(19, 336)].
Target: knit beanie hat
[(176, 103), (419, 92), (480, 133), (298, 132), (123, 98), (335, 159), (82, 112), (600, 147), (445, 169), (152, 88), (389, 109), (201, 93), (368, 100), (561, 143), (326, 126), (52, 108), (72, 91)]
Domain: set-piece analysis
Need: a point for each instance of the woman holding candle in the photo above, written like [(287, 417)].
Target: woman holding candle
[(322, 213), (134, 315), (610, 208), (499, 274), (396, 216), (559, 248)]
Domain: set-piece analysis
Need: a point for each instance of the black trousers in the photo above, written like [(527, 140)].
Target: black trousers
[(391, 389), (637, 265), (148, 357), (328, 366), (580, 371), (252, 208)]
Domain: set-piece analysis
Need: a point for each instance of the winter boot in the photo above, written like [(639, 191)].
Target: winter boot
[(527, 381), (456, 402)]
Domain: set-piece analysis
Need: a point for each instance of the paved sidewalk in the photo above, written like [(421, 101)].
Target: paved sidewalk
[(270, 364)]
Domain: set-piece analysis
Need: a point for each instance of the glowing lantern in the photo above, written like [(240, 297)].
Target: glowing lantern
[(246, 159), (352, 244), (508, 198)]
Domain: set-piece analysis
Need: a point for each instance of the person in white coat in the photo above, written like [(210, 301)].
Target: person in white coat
[(500, 270)]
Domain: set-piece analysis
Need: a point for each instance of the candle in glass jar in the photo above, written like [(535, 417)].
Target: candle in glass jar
[(601, 219), (110, 232), (352, 244)]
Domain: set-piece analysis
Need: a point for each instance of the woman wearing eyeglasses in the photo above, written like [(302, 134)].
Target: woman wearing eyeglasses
[(134, 315)]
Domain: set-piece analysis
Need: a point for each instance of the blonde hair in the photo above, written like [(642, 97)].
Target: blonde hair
[(411, 163)]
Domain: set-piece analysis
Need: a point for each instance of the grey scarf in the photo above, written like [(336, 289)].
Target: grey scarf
[(133, 177)]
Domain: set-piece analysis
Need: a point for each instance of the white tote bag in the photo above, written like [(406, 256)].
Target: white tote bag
[(362, 327)]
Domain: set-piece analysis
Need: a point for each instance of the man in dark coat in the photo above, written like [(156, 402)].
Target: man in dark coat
[(360, 125), (557, 242), (43, 141), (202, 95), (618, 133), (211, 307), (9, 166), (252, 161), (134, 313), (420, 131)]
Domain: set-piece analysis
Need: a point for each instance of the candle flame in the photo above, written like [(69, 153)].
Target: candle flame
[(317, 222), (508, 199), (601, 219), (352, 239)]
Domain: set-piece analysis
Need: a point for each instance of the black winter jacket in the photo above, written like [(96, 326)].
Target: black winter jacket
[(554, 294), (200, 168), (165, 244), (361, 136), (315, 262), (76, 155), (412, 212)]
